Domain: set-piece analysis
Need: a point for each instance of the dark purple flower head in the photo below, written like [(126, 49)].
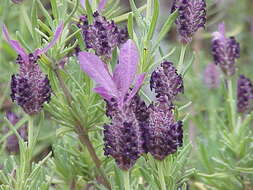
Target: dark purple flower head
[(164, 134), (12, 145), (192, 16), (123, 137), (211, 76), (102, 36), (30, 88), (166, 81), (244, 94), (225, 50)]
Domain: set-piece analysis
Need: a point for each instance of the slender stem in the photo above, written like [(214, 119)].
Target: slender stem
[(161, 175), (181, 59), (231, 103), (126, 180), (83, 133), (30, 135)]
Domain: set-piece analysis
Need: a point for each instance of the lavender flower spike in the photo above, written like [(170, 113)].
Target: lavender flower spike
[(225, 50), (102, 36), (192, 16), (123, 137), (244, 94), (30, 88), (164, 135)]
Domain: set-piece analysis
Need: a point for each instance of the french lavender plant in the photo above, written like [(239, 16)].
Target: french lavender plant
[(30, 88), (106, 127)]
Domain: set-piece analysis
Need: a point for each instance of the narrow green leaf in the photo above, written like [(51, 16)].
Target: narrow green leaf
[(130, 25), (166, 27), (89, 11), (154, 20), (45, 13), (54, 9)]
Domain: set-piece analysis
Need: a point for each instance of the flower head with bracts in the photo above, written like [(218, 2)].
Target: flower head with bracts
[(30, 88), (123, 136), (225, 50)]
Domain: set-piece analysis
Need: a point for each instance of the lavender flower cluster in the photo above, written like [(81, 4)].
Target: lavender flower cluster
[(30, 88), (103, 35), (136, 129), (192, 16), (244, 94)]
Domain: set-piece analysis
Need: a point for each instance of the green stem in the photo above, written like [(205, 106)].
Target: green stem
[(161, 175), (30, 137), (231, 103), (126, 180), (181, 59)]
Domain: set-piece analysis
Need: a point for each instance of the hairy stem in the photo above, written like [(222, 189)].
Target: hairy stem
[(181, 59), (231, 103), (126, 180), (83, 134), (161, 175)]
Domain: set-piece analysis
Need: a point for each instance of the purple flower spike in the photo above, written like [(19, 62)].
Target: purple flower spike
[(123, 137), (225, 50), (102, 36), (166, 81), (12, 145), (244, 94), (192, 16), (164, 135), (211, 76), (30, 88)]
